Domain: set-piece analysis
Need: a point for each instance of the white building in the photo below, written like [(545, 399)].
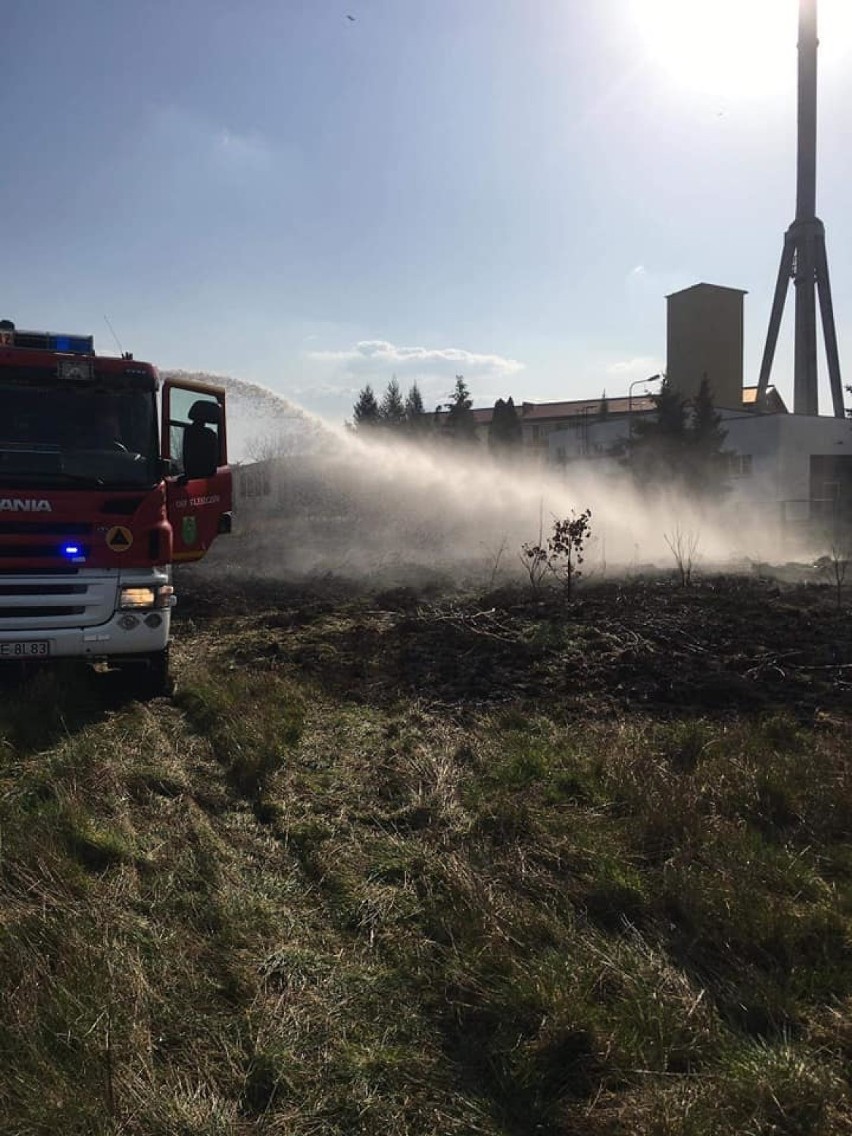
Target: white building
[(792, 470)]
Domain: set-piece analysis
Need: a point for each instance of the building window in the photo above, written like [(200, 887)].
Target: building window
[(740, 465)]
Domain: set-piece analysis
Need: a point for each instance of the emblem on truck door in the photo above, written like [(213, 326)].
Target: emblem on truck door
[(189, 529)]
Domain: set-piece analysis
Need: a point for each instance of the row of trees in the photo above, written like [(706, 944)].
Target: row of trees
[(452, 420), (392, 412), (681, 444)]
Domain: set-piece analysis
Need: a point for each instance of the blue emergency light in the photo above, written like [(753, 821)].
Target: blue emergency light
[(46, 340), (73, 344), (73, 552)]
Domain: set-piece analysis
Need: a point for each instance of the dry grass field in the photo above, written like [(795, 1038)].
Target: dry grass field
[(408, 863)]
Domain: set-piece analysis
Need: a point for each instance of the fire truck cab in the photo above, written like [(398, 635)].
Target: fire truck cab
[(108, 477)]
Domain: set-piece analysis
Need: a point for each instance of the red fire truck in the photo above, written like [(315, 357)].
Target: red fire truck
[(108, 477)]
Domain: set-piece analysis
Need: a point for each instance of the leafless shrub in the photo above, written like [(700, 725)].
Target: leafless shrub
[(566, 547), (534, 559), (497, 556), (563, 553), (835, 566), (684, 548)]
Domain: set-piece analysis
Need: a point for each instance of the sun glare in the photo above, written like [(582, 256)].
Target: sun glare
[(744, 48)]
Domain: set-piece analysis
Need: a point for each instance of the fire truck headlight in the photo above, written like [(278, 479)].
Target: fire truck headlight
[(143, 596), (136, 597)]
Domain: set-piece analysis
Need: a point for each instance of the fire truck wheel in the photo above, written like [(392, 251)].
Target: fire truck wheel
[(149, 674)]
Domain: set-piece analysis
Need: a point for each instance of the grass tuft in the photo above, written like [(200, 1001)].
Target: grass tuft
[(251, 721)]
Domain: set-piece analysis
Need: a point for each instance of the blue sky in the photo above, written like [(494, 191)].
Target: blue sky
[(501, 188)]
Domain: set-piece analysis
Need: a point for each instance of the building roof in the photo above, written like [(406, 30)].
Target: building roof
[(480, 417), (711, 287), (545, 411), (538, 412), (554, 411), (774, 401)]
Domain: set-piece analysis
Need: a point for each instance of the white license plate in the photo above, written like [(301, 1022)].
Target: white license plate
[(33, 649)]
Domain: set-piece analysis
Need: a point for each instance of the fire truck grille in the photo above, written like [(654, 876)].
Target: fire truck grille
[(42, 542), (42, 589), (44, 528), (41, 602), (37, 612), (32, 551)]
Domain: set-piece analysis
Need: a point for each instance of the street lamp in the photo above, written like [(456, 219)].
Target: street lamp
[(635, 383)]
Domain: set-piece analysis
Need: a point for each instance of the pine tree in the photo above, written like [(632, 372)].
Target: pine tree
[(416, 419), (657, 445), (706, 455), (504, 432), (678, 448), (460, 423), (392, 410), (366, 410)]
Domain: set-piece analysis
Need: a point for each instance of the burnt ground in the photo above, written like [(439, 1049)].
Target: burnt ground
[(723, 646), (419, 862)]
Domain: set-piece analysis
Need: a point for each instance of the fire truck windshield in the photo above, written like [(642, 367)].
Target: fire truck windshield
[(55, 433)]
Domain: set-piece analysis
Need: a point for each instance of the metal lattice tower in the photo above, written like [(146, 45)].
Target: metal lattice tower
[(803, 258)]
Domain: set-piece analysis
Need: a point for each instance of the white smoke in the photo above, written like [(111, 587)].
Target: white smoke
[(385, 508)]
